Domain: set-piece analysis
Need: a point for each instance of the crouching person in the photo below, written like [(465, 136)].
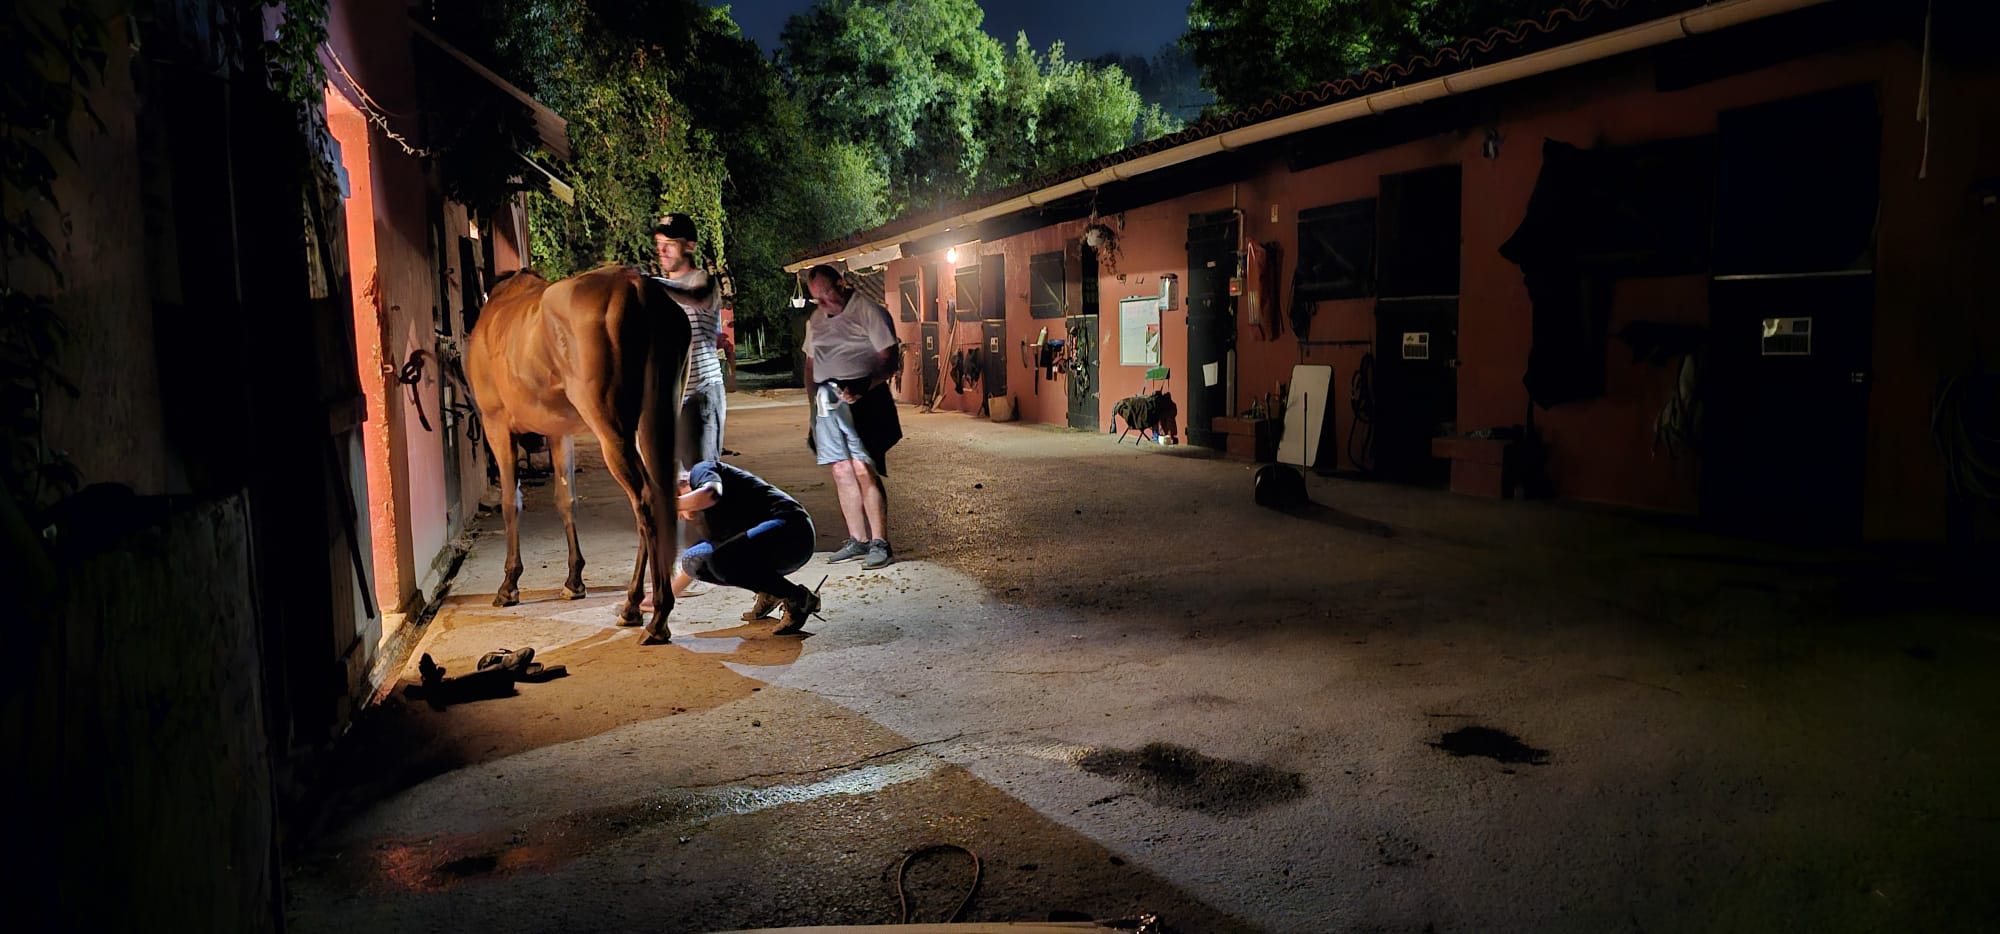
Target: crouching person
[(757, 534)]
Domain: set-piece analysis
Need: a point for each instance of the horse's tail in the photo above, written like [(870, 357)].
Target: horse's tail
[(667, 335)]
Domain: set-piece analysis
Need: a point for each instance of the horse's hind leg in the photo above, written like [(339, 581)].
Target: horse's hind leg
[(621, 458), (501, 438), (565, 457)]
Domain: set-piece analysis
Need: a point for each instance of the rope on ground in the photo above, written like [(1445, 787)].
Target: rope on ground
[(903, 901)]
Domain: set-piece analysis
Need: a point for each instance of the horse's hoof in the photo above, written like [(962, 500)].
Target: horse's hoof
[(577, 594), (631, 618), (657, 635), (506, 599)]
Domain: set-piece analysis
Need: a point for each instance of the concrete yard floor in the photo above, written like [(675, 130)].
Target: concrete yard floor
[(1130, 690)]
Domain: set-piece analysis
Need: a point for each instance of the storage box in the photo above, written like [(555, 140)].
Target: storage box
[(1478, 466), (1250, 439), (1001, 409)]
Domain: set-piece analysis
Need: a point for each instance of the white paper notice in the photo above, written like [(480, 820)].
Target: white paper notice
[(1211, 373)]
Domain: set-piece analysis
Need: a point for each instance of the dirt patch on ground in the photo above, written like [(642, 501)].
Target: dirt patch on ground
[(613, 681), (1489, 743), (1179, 777)]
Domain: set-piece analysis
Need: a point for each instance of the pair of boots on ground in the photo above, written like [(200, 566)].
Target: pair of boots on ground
[(797, 611), (877, 553)]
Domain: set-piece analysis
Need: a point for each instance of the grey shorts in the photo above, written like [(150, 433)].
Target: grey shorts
[(834, 436), (700, 429)]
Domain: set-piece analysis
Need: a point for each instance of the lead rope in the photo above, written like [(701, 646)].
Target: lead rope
[(903, 902)]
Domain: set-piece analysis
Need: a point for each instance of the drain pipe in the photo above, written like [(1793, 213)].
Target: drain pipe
[(1712, 17)]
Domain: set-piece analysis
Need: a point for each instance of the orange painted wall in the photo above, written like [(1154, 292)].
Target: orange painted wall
[(405, 288), (966, 334), (909, 332), (350, 128), (1937, 282), (1936, 300), (1036, 399)]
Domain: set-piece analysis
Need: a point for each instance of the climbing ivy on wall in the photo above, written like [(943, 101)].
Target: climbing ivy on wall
[(635, 150), (56, 53)]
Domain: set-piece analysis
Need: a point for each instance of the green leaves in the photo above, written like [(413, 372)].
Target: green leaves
[(871, 109), (55, 54), (944, 107), (1253, 50), (908, 78), (611, 70)]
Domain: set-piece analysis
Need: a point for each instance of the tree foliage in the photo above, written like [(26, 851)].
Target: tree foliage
[(610, 69), (944, 107), (1051, 112), (1251, 50), (1168, 79), (870, 108), (910, 78)]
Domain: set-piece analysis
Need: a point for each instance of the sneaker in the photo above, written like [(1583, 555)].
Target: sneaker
[(762, 608), (849, 550), (696, 586), (879, 554), (796, 613)]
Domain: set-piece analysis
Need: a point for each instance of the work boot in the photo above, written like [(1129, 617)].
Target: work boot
[(849, 550), (797, 611), (879, 554), (762, 608)]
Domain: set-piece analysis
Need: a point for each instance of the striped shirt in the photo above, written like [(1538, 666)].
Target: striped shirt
[(704, 361)]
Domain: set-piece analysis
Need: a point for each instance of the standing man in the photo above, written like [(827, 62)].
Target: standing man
[(702, 405), (850, 353)]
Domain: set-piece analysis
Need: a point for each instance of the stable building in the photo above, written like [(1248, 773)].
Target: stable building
[(1730, 259)]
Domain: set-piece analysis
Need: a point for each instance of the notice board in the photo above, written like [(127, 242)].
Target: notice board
[(1139, 331)]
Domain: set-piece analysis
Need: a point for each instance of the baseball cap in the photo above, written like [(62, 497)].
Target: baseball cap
[(676, 227)]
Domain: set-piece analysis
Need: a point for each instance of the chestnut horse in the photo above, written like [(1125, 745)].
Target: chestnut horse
[(605, 350)]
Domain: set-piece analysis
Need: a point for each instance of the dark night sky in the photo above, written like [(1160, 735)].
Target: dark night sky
[(1086, 27)]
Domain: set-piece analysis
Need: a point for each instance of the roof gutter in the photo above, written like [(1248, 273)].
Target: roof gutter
[(1713, 17)]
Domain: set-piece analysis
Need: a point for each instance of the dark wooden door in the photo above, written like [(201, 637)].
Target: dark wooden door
[(1416, 387), (994, 356), (1211, 321), (1786, 420), (931, 367), (1791, 314), (1416, 324), (1081, 378)]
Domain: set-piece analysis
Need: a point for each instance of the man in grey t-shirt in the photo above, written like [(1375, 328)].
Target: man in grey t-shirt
[(850, 348)]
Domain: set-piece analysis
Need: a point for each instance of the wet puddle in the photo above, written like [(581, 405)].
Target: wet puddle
[(1489, 743), (1179, 777)]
